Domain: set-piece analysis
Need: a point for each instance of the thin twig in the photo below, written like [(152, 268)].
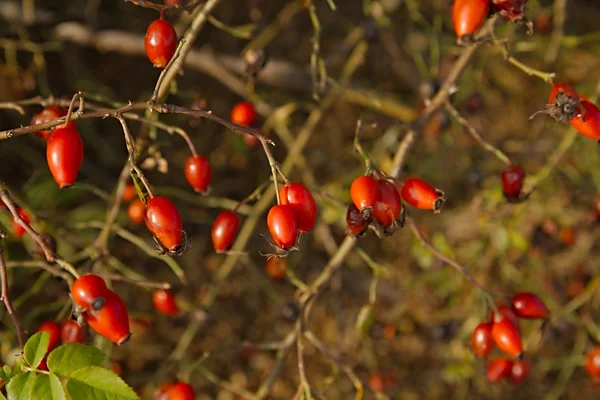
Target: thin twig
[(6, 297)]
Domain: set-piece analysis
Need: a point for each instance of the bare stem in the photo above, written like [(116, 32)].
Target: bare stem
[(6, 298)]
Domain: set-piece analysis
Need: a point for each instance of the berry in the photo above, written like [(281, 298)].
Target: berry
[(71, 332), (388, 209), (528, 305), (512, 182), (224, 230), (592, 362), (48, 114), (588, 123), (506, 335), (482, 340), (568, 236), (164, 302), (276, 267), (365, 192), (302, 202), (18, 230), (53, 329), (88, 292), (198, 173), (511, 10), (136, 211), (519, 372), (376, 383), (112, 321), (164, 222), (283, 225), (65, 156), (561, 92), (468, 16), (357, 224), (160, 42), (162, 393), (498, 369), (418, 193), (181, 391), (243, 113), (507, 312), (129, 193)]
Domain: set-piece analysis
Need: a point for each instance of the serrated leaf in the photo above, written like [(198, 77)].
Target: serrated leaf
[(70, 357), (7, 370), (36, 348), (47, 387), (3, 375), (96, 383), (19, 387)]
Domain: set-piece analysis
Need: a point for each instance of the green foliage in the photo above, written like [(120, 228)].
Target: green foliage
[(74, 373)]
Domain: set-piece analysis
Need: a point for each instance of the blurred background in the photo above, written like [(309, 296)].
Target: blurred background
[(417, 345)]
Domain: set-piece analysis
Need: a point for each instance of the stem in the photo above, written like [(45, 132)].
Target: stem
[(6, 298), (76, 96)]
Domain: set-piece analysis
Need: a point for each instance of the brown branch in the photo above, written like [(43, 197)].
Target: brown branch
[(138, 282), (6, 297)]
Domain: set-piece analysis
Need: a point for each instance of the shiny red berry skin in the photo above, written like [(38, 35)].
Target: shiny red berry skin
[(592, 362), (482, 340), (512, 181), (71, 332), (64, 154), (302, 202), (181, 391), (164, 302), (420, 194), (468, 16), (511, 10), (507, 312), (528, 305), (224, 230), (376, 383), (198, 173), (388, 208), (18, 230), (498, 369), (162, 393), (136, 211), (364, 192), (53, 329), (129, 193), (164, 222), (243, 113), (588, 123), (112, 321), (48, 114), (519, 372), (283, 225), (506, 335), (160, 42), (89, 291), (357, 224)]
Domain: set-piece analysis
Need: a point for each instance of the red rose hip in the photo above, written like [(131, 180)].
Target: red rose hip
[(64, 154), (302, 202), (482, 340), (528, 305), (224, 230), (198, 173), (164, 302), (243, 113), (364, 193), (468, 16), (53, 329), (164, 222), (420, 194), (88, 292), (112, 321), (512, 182), (160, 42), (71, 332), (283, 225)]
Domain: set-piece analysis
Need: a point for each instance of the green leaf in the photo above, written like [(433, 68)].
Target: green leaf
[(68, 358), (96, 383), (36, 348), (47, 387), (19, 387), (2, 396)]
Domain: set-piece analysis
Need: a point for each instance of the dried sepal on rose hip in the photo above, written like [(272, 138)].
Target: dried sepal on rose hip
[(420, 194), (563, 102), (511, 10)]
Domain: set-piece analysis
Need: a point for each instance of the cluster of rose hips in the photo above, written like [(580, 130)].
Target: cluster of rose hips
[(69, 332), (469, 15), (102, 309), (377, 203), (503, 330)]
